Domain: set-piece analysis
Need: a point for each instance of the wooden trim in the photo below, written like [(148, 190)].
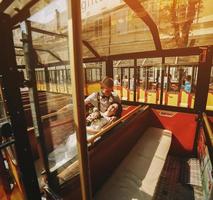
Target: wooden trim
[(24, 13), (91, 49), (5, 4)]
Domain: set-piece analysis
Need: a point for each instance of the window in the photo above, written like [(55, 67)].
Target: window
[(98, 28), (121, 21)]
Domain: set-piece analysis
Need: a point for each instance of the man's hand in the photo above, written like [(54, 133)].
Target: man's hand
[(112, 119)]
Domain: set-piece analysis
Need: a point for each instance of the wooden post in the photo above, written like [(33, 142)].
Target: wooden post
[(11, 90), (75, 55)]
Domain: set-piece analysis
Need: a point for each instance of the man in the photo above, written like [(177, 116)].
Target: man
[(188, 86), (104, 98)]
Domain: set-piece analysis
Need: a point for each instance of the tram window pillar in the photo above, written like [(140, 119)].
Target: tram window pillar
[(180, 82), (147, 78), (109, 68), (203, 79), (47, 78), (122, 74), (168, 80), (129, 77)]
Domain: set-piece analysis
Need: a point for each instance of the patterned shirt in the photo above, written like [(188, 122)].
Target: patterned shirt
[(102, 102)]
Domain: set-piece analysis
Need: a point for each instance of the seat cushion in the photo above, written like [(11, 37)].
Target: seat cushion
[(138, 174)]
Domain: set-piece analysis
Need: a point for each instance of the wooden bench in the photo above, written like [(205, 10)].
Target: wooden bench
[(72, 169), (103, 160), (138, 174)]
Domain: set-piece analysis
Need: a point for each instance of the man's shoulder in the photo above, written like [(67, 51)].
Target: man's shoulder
[(91, 98), (94, 94)]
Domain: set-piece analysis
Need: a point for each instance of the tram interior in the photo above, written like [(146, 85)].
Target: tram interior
[(161, 147)]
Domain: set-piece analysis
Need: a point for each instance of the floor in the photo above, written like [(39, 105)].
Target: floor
[(172, 184), (15, 194)]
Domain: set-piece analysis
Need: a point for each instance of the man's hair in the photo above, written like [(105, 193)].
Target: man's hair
[(189, 77), (107, 81)]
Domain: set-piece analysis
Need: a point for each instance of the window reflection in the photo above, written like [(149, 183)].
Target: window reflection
[(146, 83), (209, 104), (93, 75), (53, 82)]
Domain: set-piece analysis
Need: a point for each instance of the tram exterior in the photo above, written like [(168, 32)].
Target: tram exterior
[(148, 82)]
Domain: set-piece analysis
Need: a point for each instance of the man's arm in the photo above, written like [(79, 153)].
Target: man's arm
[(92, 98), (90, 130)]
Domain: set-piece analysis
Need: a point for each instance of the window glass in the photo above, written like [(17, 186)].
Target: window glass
[(93, 73), (179, 23), (53, 81), (179, 84)]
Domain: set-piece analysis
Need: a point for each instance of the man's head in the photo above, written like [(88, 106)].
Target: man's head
[(107, 86), (188, 78)]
